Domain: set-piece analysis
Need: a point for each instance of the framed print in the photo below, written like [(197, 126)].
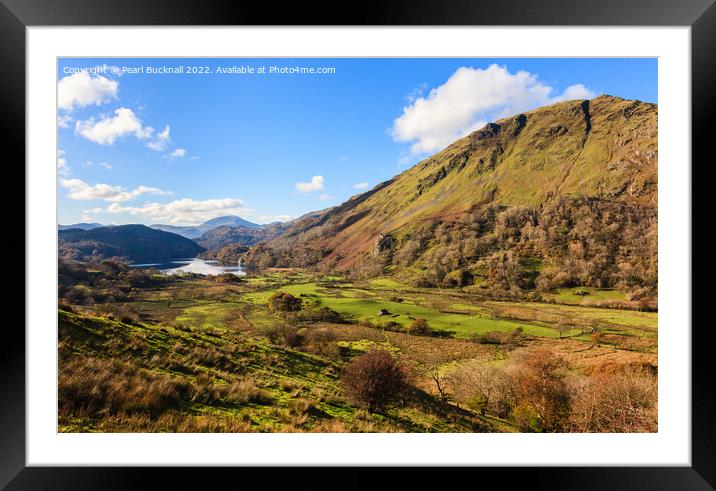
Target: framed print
[(433, 236)]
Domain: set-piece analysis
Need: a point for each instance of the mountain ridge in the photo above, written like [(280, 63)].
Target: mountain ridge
[(196, 231), (603, 149), (137, 243)]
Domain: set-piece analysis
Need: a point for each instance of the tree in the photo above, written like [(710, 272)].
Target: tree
[(374, 379), (538, 380), (563, 329), (482, 386), (284, 302), (440, 382)]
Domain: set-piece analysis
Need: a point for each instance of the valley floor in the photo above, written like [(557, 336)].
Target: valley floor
[(194, 353)]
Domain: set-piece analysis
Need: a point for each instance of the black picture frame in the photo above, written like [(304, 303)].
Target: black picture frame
[(700, 15)]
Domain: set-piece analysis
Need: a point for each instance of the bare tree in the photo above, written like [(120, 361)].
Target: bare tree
[(483, 387), (440, 382)]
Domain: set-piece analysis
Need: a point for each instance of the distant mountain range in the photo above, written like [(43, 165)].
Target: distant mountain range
[(218, 237), (136, 243), (196, 231), (83, 226)]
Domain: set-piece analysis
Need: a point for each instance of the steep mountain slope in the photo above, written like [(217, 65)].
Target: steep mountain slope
[(194, 232), (225, 235), (604, 149), (135, 242)]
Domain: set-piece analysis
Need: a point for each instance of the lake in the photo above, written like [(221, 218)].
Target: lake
[(194, 265)]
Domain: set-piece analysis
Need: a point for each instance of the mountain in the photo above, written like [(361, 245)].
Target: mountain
[(568, 165), (224, 235), (194, 232), (137, 243), (83, 226), (229, 220)]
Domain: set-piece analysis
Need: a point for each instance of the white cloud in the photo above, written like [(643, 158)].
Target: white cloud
[(80, 190), (105, 165), (64, 121), (85, 218), (108, 129), (184, 211), (361, 185), (63, 167), (177, 154), (325, 197), (161, 141), (81, 89), (469, 99), (576, 91), (316, 184)]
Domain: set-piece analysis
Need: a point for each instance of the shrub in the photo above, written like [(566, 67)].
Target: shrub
[(227, 278), (284, 302), (622, 402), (289, 336), (510, 340), (420, 327), (321, 341), (324, 314), (374, 379), (392, 326)]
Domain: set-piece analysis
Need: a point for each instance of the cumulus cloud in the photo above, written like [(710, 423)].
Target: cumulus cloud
[(184, 211), (80, 190), (316, 184), (63, 168), (468, 100), (177, 154), (82, 89), (108, 129), (161, 141), (576, 91), (325, 197), (361, 185), (105, 165)]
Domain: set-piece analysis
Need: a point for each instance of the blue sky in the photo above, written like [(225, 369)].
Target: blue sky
[(181, 148)]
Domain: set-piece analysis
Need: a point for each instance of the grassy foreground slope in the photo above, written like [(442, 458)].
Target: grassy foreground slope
[(130, 376)]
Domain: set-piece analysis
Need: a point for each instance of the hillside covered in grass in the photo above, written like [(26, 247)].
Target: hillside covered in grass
[(558, 197), (141, 351)]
